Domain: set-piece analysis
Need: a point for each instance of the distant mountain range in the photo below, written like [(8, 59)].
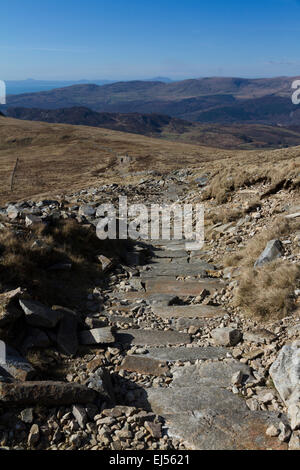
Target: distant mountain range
[(241, 136), (205, 100), (16, 87)]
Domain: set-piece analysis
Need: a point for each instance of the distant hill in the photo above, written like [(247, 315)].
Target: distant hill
[(145, 124), (16, 87), (205, 100), (233, 136)]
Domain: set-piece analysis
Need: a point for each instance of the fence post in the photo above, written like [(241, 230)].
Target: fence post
[(13, 174)]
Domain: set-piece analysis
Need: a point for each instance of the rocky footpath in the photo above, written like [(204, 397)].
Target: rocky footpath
[(155, 356)]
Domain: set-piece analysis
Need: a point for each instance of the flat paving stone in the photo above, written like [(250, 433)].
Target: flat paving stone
[(169, 285), (212, 373), (186, 354), (173, 245), (173, 268), (151, 337), (189, 311), (144, 365), (170, 254), (231, 429), (199, 409), (185, 323)]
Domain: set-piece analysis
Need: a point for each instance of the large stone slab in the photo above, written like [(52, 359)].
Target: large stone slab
[(144, 365), (186, 354), (200, 410), (40, 315), (189, 311), (169, 285), (174, 399), (172, 245), (210, 373), (151, 337), (97, 336), (232, 429), (178, 267), (170, 254), (14, 366), (45, 393)]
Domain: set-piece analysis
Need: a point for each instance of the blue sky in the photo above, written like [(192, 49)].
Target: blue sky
[(75, 39)]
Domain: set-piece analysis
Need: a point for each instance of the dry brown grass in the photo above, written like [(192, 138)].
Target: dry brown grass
[(283, 173), (246, 257), (59, 158), (27, 266), (266, 292)]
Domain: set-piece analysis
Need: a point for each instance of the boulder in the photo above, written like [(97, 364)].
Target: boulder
[(87, 211), (14, 366), (273, 250), (40, 315), (32, 220), (100, 382), (80, 415), (226, 336), (106, 263), (97, 336), (12, 212), (9, 307), (34, 435)]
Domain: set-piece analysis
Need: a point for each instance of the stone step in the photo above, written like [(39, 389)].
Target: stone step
[(45, 393), (172, 269), (200, 410), (144, 365), (142, 337), (186, 354), (170, 254), (155, 362), (173, 245), (211, 418), (189, 311), (169, 285)]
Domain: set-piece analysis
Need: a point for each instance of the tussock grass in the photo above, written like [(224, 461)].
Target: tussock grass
[(246, 257), (228, 179), (26, 264), (266, 292)]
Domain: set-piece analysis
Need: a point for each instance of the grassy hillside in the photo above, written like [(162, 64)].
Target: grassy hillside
[(233, 136), (57, 158)]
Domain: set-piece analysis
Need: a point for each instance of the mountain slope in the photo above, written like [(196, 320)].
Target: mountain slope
[(145, 124), (54, 158), (204, 100), (242, 136)]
